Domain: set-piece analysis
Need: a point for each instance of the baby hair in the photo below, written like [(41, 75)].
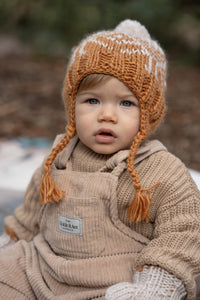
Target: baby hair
[(93, 80)]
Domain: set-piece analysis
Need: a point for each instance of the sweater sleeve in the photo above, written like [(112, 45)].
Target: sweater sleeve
[(24, 223), (175, 245)]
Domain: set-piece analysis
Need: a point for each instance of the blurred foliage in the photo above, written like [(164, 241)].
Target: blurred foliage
[(55, 26)]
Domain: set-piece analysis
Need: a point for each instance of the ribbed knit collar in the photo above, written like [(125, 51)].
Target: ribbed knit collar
[(84, 159)]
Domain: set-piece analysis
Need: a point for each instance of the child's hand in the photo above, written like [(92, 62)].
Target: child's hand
[(150, 283), (5, 241)]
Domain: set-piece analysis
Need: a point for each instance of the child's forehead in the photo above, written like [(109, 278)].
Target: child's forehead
[(107, 86), (95, 80)]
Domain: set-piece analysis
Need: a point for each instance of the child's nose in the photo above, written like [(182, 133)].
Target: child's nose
[(107, 114)]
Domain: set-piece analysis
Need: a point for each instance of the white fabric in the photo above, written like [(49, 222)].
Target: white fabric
[(5, 241), (133, 29), (151, 283)]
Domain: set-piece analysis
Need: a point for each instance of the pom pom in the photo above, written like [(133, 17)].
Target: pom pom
[(133, 29)]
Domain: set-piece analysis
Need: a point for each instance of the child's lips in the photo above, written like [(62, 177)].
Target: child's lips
[(105, 136)]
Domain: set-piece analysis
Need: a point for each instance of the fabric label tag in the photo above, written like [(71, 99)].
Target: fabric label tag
[(69, 225)]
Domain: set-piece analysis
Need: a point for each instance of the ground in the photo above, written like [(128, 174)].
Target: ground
[(31, 102)]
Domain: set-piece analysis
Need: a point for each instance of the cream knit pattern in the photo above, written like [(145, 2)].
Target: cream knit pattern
[(150, 283)]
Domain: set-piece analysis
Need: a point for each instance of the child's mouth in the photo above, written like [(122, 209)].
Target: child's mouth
[(105, 136), (105, 133)]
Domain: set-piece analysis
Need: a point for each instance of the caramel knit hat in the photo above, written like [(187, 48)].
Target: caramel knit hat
[(129, 54)]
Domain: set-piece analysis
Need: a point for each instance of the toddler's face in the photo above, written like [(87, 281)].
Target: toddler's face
[(107, 116)]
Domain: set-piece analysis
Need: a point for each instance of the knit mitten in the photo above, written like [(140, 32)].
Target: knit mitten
[(150, 283), (5, 241)]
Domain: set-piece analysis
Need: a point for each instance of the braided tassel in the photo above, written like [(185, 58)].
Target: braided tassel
[(49, 190), (138, 210)]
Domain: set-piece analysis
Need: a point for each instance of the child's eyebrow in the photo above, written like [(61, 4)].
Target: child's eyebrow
[(128, 96), (88, 93), (91, 92)]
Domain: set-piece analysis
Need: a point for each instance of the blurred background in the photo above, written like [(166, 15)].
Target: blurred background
[(35, 42)]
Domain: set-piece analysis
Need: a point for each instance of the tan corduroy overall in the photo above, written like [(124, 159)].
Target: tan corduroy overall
[(83, 247)]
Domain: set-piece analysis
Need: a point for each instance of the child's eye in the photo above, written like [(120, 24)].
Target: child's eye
[(127, 103), (93, 101)]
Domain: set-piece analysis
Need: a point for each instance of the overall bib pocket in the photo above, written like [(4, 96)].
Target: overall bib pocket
[(75, 226)]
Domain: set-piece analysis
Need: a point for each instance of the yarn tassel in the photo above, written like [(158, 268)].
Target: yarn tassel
[(138, 210), (11, 233), (49, 190)]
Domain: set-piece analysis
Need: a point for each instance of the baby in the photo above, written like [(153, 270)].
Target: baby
[(110, 214)]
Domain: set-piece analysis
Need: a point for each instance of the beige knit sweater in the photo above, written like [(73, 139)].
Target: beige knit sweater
[(174, 226)]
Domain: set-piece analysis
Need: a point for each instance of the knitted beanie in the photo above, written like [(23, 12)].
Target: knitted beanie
[(129, 54)]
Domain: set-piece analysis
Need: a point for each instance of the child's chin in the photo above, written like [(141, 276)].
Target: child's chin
[(105, 149)]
